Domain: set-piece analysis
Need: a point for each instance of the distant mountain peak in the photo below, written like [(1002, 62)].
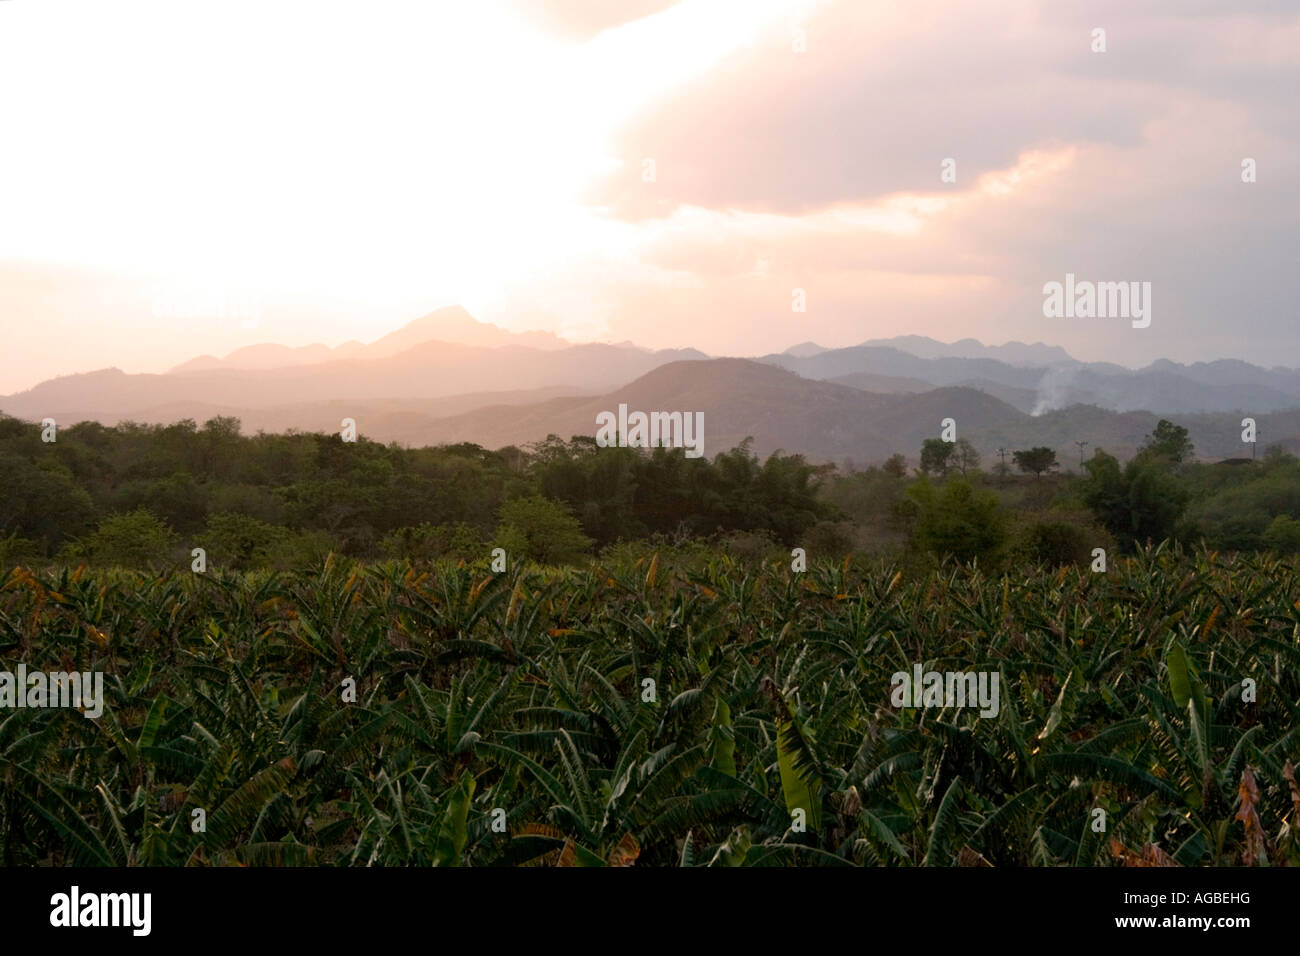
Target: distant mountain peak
[(455, 325), (452, 324), (1013, 353), (804, 349)]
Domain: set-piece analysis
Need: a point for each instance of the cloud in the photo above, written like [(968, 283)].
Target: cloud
[(822, 170), (883, 94)]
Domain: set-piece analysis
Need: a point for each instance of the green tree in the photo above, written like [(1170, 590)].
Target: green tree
[(936, 455), (964, 456), (1058, 542), (133, 540), (1156, 501), (427, 542), (895, 465), (238, 542), (1035, 461), (1140, 503), (541, 530), (41, 502), (1168, 442), (1283, 535), (956, 519)]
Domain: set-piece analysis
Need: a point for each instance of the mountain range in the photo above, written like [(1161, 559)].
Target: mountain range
[(446, 377)]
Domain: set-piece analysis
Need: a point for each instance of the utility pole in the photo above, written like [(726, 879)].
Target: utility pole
[(1081, 444), (1003, 453)]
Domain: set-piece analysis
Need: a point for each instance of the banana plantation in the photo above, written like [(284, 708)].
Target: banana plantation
[(666, 711)]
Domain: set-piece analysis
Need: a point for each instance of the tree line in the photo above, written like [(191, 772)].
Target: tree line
[(146, 495)]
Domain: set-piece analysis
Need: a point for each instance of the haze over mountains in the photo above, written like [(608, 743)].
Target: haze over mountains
[(447, 378), (452, 324)]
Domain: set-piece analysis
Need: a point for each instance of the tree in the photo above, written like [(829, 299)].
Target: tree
[(1283, 535), (1168, 442), (1276, 455), (1035, 461), (935, 456), (895, 465), (426, 542), (134, 540), (1057, 543), (42, 503), (964, 456), (956, 520), (1142, 502), (541, 530), (1156, 502), (238, 542)]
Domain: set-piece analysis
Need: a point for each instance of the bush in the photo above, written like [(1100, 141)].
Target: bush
[(1283, 535), (302, 550), (239, 542), (955, 520), (751, 547), (1059, 542), (538, 529), (15, 551), (427, 542), (133, 540), (828, 539)]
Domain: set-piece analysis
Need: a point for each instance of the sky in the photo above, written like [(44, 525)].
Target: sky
[(187, 178)]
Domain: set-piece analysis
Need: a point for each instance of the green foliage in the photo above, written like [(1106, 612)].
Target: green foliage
[(42, 501), (1035, 461), (829, 539), (956, 520), (1237, 511), (936, 457), (750, 547), (1056, 542), (1156, 502), (133, 540), (239, 542), (541, 530), (426, 542), (1140, 504), (939, 457), (964, 457), (1283, 535), (1168, 442), (523, 691), (15, 550), (363, 497)]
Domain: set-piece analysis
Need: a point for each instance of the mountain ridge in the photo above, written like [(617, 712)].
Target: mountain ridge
[(864, 401)]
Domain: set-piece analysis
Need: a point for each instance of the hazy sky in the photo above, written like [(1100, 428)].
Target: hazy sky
[(346, 167)]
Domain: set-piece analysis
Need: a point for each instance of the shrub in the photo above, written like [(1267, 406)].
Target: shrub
[(239, 542), (426, 542), (828, 539), (15, 551), (541, 530), (751, 547), (136, 539), (955, 520), (1283, 535), (1059, 542)]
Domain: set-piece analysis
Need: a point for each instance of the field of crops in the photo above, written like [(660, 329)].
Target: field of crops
[(661, 713)]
